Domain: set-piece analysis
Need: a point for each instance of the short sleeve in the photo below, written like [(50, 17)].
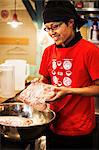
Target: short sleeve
[(93, 63), (44, 64)]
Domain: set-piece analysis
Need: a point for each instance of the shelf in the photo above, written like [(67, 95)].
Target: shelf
[(88, 10), (94, 41)]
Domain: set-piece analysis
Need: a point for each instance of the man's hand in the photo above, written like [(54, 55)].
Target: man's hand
[(59, 92)]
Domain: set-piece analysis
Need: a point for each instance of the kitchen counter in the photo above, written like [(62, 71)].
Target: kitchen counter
[(97, 105), (9, 99), (97, 111)]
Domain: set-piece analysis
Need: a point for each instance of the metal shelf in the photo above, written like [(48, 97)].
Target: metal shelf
[(88, 10), (94, 41)]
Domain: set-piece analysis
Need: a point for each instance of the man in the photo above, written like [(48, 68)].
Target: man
[(72, 65)]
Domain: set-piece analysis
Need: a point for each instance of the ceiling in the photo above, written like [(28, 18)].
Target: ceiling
[(33, 7), (9, 4)]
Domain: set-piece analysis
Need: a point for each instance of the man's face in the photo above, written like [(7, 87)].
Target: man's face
[(59, 31)]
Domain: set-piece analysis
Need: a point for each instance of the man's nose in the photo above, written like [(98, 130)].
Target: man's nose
[(51, 31)]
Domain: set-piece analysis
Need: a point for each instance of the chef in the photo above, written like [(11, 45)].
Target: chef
[(71, 64)]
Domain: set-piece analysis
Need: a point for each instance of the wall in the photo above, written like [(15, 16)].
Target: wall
[(17, 50)]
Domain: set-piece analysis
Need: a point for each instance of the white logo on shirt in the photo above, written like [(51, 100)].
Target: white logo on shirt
[(67, 81), (67, 64), (62, 71), (54, 66)]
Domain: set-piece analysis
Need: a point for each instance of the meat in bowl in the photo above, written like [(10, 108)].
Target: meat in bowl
[(22, 121), (18, 120)]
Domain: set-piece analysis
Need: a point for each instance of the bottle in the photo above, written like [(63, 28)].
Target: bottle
[(94, 30), (79, 4), (96, 4)]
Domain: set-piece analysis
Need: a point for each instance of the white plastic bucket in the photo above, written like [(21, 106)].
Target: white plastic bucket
[(21, 72)]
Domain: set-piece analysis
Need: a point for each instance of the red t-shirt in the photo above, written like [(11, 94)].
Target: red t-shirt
[(76, 66)]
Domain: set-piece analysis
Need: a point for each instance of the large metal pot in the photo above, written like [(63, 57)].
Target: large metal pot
[(29, 132)]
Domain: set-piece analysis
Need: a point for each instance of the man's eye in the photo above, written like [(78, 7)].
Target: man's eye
[(46, 29), (55, 26)]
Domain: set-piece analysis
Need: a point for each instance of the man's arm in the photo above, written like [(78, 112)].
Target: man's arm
[(83, 91)]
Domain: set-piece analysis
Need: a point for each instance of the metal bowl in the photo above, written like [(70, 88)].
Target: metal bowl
[(28, 132)]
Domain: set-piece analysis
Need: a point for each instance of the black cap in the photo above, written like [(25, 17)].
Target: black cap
[(62, 11)]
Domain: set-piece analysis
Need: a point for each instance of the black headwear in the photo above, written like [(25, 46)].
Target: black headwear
[(62, 11)]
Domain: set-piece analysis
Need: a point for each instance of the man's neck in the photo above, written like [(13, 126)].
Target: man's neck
[(71, 41), (68, 40)]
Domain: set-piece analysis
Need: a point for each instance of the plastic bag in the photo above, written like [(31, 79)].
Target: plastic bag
[(36, 93)]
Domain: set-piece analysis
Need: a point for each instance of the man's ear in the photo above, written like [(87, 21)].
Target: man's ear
[(71, 23)]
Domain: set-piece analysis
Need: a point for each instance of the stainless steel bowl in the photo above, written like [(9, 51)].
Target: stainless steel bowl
[(29, 132)]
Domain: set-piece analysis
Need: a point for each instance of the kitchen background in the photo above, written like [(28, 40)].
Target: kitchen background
[(27, 41)]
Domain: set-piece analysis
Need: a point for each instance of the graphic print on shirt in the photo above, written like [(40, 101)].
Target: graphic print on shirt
[(61, 72)]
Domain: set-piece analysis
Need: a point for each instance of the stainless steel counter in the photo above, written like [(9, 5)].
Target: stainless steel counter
[(97, 105)]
